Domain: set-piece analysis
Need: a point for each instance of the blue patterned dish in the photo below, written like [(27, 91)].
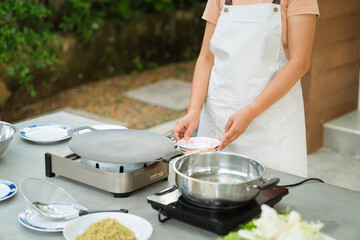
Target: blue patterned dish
[(45, 133), (7, 189), (34, 221)]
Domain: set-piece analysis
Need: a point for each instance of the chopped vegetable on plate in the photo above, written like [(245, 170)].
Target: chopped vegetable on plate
[(274, 226)]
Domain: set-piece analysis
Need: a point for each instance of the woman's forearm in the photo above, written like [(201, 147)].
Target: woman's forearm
[(284, 80), (202, 72), (186, 125), (200, 83), (301, 31)]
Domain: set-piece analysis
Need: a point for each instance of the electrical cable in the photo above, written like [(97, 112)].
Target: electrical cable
[(306, 180)]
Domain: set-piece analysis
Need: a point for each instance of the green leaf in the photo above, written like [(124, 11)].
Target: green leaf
[(250, 225), (286, 212)]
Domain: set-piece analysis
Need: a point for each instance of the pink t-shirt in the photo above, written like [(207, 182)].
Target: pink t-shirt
[(288, 8)]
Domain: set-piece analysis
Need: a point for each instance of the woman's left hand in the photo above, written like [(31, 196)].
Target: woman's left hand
[(236, 125)]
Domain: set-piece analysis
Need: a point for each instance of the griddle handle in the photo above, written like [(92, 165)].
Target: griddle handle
[(168, 157), (74, 130)]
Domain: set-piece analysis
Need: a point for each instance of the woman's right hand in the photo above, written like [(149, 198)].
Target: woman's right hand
[(186, 125)]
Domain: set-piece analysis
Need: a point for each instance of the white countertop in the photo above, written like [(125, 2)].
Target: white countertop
[(336, 207)]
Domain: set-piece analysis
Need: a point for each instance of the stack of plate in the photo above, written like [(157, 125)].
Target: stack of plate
[(196, 143)]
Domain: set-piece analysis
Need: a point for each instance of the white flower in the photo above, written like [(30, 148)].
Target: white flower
[(272, 226)]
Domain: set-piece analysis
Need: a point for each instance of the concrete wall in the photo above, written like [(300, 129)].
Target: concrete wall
[(332, 85)]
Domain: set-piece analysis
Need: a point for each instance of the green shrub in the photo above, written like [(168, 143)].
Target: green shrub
[(28, 28)]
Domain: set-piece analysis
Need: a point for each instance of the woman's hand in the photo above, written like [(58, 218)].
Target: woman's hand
[(236, 125), (186, 125)]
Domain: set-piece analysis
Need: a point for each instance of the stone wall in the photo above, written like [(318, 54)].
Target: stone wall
[(331, 86)]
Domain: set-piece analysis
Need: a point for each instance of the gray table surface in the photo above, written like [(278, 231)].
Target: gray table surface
[(336, 207)]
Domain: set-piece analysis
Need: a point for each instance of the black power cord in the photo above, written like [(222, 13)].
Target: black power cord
[(306, 180)]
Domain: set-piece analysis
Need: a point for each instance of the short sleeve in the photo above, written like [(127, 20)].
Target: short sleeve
[(212, 11), (299, 7)]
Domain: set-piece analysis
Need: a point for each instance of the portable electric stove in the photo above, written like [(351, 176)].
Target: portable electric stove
[(171, 204), (120, 179)]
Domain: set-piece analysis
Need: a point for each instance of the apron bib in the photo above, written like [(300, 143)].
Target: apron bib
[(248, 53)]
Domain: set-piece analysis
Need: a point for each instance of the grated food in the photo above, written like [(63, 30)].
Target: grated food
[(107, 229)]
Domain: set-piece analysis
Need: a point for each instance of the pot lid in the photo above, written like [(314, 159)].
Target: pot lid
[(120, 145)]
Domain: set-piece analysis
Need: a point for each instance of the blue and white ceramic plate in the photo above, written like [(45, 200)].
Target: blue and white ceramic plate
[(35, 221), (45, 133), (7, 189)]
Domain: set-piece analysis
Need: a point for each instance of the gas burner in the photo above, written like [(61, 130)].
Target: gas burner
[(171, 204), (119, 179), (112, 167)]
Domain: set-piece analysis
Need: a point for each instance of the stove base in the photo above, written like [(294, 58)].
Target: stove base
[(67, 164), (171, 204)]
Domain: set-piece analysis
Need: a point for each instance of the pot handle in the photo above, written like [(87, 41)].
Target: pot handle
[(74, 130), (168, 157), (268, 184)]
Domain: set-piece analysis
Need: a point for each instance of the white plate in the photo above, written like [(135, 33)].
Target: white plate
[(45, 133), (7, 189), (35, 221), (198, 142), (141, 227)]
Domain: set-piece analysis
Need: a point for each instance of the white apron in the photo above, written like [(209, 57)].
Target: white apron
[(248, 53)]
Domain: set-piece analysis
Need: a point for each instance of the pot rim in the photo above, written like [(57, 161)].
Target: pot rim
[(214, 183)]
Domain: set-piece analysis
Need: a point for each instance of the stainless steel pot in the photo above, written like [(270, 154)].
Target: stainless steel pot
[(7, 132), (220, 179)]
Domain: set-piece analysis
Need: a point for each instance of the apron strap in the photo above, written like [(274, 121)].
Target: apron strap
[(276, 2)]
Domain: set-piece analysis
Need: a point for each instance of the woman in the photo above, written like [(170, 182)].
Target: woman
[(246, 80)]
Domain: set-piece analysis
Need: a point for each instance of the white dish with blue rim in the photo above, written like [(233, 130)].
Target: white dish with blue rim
[(7, 189), (35, 221), (45, 133)]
